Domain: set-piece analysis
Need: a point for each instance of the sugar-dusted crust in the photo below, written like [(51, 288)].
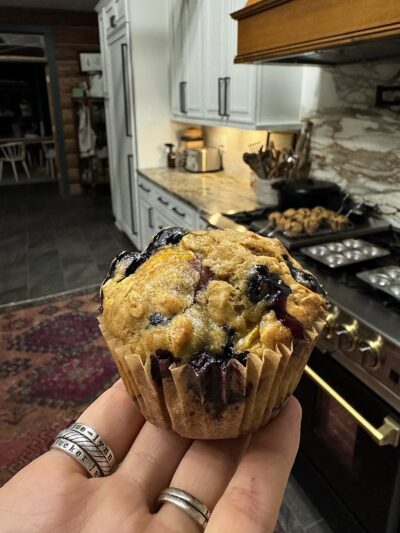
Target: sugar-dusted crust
[(169, 283), (215, 322)]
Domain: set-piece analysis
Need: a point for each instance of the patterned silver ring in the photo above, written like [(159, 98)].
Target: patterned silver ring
[(97, 439), (86, 444), (79, 454), (188, 503)]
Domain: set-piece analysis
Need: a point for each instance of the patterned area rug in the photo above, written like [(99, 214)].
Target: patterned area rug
[(53, 363)]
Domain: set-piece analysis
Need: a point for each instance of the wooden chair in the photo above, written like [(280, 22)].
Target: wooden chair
[(13, 153), (49, 151)]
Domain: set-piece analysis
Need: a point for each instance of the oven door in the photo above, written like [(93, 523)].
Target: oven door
[(364, 474)]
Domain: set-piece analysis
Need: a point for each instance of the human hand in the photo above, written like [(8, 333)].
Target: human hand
[(242, 481)]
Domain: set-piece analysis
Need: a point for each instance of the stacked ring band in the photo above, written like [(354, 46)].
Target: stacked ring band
[(95, 453), (188, 503), (91, 434), (85, 445), (79, 454)]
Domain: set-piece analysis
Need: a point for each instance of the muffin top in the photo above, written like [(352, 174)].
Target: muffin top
[(215, 294)]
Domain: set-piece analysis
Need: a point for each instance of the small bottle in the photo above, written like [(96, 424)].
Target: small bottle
[(171, 155)]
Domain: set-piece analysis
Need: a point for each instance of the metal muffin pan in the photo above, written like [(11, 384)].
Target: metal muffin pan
[(342, 253), (387, 279)]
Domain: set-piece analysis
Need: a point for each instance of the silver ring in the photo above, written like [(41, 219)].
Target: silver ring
[(79, 454), (97, 439), (86, 444), (188, 503)]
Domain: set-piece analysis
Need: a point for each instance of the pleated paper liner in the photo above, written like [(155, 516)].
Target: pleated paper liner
[(214, 403)]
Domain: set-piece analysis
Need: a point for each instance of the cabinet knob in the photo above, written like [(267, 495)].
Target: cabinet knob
[(371, 350), (350, 333)]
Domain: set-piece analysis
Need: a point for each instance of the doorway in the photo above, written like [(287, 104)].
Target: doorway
[(31, 136)]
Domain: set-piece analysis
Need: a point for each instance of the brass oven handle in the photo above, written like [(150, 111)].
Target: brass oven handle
[(387, 435)]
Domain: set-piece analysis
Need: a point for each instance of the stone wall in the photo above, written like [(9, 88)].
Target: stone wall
[(355, 143)]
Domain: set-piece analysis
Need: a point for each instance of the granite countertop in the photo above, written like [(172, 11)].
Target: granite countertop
[(214, 192)]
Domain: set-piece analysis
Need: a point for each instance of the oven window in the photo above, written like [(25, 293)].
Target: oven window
[(336, 429)]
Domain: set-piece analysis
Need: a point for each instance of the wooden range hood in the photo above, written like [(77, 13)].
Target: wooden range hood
[(318, 31)]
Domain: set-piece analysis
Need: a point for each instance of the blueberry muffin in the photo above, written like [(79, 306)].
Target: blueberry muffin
[(210, 330)]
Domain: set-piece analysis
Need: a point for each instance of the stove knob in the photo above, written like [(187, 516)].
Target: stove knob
[(350, 333), (331, 322), (371, 351)]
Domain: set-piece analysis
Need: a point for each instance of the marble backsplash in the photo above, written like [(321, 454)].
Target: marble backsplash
[(355, 143)]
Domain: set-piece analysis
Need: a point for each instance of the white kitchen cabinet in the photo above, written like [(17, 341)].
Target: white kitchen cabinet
[(186, 40), (147, 197), (177, 24), (115, 14), (247, 96), (215, 59), (240, 81), (230, 90), (147, 222), (135, 52), (194, 36), (160, 209), (120, 117), (162, 220)]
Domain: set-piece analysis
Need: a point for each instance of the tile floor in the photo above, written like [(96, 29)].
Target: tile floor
[(38, 175), (49, 245), (298, 514)]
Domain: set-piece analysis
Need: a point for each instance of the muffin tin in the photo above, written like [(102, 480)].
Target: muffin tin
[(387, 279), (343, 253)]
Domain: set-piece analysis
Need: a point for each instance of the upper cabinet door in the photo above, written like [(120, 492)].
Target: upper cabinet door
[(192, 90), (240, 81), (215, 58), (207, 87), (177, 25), (186, 35)]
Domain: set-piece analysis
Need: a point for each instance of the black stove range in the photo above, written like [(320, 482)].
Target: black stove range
[(350, 393)]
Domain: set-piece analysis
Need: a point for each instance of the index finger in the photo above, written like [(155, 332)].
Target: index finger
[(253, 497)]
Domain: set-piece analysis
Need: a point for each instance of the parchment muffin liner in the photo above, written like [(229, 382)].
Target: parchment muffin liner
[(244, 397)]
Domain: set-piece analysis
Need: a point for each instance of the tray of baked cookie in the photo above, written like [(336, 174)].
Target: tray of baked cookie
[(386, 279), (344, 253), (305, 227)]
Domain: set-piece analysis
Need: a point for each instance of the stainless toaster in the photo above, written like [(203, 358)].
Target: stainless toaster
[(203, 160)]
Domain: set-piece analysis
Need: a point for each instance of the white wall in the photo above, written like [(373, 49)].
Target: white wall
[(150, 54)]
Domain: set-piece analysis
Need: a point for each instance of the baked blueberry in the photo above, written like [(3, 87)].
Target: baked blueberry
[(305, 278), (167, 236), (158, 319)]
